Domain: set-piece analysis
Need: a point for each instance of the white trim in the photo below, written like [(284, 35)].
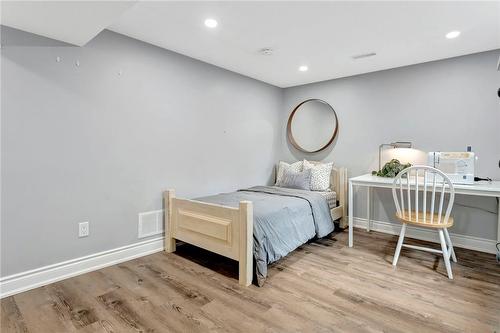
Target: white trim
[(464, 241), (17, 283)]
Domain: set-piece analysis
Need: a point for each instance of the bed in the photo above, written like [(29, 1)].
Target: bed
[(248, 224)]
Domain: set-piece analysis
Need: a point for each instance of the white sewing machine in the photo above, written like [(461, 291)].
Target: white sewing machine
[(459, 166)]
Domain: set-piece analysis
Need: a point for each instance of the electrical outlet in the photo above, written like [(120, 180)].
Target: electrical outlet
[(83, 229)]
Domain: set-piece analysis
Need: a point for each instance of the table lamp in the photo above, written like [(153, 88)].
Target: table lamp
[(397, 144)]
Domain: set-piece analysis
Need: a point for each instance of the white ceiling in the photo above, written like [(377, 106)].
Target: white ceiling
[(322, 35), (74, 22)]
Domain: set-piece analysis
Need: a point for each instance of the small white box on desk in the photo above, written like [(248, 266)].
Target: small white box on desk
[(459, 166)]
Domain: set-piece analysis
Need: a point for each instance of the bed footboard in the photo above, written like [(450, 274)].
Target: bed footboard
[(224, 230)]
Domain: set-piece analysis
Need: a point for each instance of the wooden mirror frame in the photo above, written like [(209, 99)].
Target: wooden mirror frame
[(289, 127)]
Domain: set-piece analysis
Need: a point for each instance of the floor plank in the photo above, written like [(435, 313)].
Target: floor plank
[(323, 286)]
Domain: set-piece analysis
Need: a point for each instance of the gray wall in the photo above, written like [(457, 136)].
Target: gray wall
[(439, 106), (84, 143)]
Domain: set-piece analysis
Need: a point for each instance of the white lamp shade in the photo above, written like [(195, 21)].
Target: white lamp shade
[(405, 155)]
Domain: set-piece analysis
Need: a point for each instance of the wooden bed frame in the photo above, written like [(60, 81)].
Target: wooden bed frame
[(228, 231)]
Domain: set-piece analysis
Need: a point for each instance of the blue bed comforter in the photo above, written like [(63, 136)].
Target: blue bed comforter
[(284, 219)]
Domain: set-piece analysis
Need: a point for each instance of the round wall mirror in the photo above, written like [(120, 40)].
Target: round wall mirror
[(312, 126)]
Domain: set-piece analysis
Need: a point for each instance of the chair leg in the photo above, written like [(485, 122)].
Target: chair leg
[(400, 244), (450, 246), (445, 254)]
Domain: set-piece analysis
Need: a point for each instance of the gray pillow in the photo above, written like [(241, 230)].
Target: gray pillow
[(299, 180)]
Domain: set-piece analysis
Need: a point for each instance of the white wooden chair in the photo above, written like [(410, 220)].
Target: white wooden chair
[(430, 182)]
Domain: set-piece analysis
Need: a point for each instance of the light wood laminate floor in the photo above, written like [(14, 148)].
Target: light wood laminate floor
[(324, 286)]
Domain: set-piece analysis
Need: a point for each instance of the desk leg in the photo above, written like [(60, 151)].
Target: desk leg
[(351, 214), (368, 207), (498, 221)]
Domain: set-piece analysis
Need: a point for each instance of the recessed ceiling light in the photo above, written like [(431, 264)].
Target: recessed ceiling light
[(211, 23), (453, 34), (303, 68)]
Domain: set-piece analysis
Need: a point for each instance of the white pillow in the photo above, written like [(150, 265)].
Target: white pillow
[(320, 175), (294, 167)]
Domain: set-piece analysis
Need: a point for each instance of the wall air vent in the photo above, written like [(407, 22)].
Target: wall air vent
[(364, 55), (150, 223)]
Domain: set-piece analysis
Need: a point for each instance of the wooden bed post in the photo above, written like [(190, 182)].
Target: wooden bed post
[(246, 243), (339, 179), (168, 227), (342, 195)]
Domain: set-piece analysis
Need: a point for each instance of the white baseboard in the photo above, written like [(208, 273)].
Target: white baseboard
[(17, 283), (464, 241)]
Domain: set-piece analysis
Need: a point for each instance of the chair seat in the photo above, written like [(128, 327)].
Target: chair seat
[(427, 223)]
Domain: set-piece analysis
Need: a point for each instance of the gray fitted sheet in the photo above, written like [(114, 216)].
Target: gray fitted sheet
[(284, 219)]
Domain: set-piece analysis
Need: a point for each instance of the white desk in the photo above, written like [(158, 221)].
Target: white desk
[(485, 189)]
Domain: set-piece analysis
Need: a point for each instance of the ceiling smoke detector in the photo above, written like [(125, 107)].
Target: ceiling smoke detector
[(266, 51), (364, 55)]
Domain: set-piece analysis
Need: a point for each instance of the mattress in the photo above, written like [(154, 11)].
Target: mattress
[(331, 198)]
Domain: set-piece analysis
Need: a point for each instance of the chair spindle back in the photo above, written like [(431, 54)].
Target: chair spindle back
[(426, 179)]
